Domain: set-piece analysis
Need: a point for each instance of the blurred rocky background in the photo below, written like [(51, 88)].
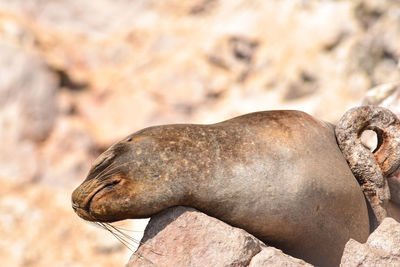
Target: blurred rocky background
[(75, 76)]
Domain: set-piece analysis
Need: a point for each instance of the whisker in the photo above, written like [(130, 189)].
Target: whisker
[(123, 234), (127, 230), (123, 241), (105, 169), (96, 224), (112, 169), (123, 238), (105, 176), (119, 238), (133, 239)]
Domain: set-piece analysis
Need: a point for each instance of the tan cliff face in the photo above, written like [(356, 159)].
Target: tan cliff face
[(75, 77), (38, 229)]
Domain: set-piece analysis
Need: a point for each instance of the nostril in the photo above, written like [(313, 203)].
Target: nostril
[(74, 206)]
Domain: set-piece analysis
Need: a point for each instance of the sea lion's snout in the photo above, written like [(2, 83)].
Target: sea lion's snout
[(100, 181), (74, 206), (132, 179), (80, 211), (91, 200), (79, 203)]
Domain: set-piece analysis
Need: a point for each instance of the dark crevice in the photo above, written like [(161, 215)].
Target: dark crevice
[(389, 55), (242, 48), (203, 7), (215, 95), (307, 77), (336, 42), (187, 109), (218, 62), (367, 15), (65, 81), (305, 85)]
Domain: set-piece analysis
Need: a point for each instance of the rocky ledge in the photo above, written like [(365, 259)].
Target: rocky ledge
[(183, 236)]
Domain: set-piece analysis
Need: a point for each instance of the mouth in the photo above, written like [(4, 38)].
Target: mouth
[(82, 208)]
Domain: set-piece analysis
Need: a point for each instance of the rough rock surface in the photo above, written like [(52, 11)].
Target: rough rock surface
[(381, 249), (27, 111), (388, 96), (182, 236), (270, 256), (185, 237)]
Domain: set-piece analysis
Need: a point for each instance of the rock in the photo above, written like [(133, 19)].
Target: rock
[(394, 182), (27, 95), (386, 237), (27, 111), (381, 249), (185, 237), (182, 236), (274, 257), (388, 96), (67, 154), (376, 53)]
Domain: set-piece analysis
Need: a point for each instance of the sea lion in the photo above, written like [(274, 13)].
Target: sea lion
[(279, 175)]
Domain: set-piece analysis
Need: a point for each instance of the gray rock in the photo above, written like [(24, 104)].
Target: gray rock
[(376, 53), (386, 237), (381, 249), (27, 111), (388, 96), (27, 95), (274, 257), (182, 236)]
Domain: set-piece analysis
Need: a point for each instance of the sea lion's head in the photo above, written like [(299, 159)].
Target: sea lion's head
[(124, 182)]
